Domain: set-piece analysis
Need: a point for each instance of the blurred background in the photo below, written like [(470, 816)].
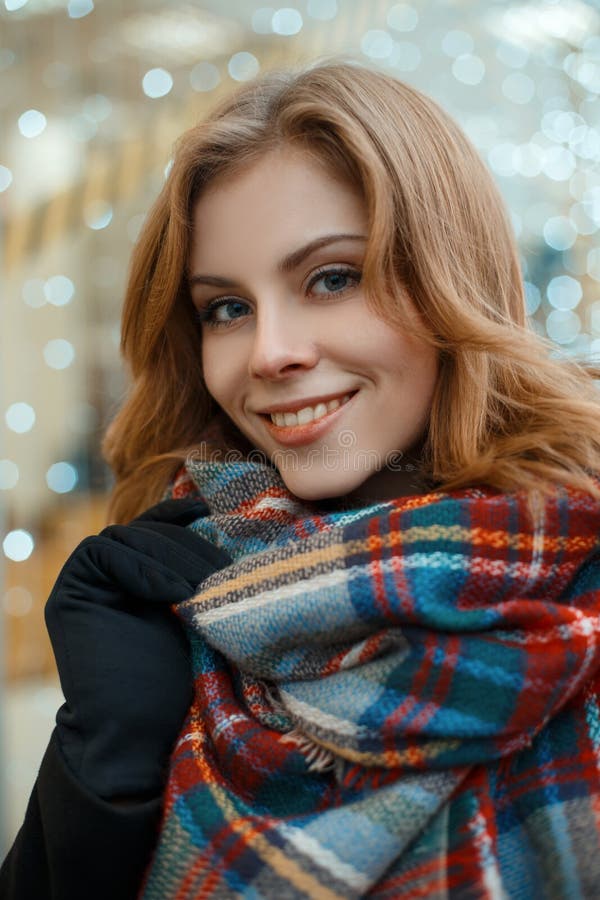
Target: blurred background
[(92, 96)]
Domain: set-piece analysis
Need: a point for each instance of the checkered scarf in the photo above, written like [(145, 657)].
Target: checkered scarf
[(399, 700)]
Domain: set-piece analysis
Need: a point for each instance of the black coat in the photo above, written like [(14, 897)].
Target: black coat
[(76, 846)]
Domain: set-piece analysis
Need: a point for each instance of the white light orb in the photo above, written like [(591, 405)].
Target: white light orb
[(243, 66), (157, 83), (5, 178), (564, 292), (59, 353), (32, 123), (20, 417), (62, 477), (286, 21), (59, 290), (18, 545)]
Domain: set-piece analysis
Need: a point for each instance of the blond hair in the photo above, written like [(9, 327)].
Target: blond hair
[(441, 261)]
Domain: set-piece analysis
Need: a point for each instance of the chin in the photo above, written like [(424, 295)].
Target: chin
[(325, 486)]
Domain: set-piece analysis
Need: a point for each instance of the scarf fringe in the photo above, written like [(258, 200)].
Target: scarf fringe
[(319, 758)]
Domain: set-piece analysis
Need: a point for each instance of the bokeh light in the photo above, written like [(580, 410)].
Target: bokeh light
[(243, 66), (468, 68), (502, 158), (59, 353), (405, 56), (157, 83), (528, 159), (97, 107), (18, 545), (563, 326), (17, 601), (377, 44), (262, 20), (559, 164), (323, 10), (78, 9), (20, 417), (559, 233), (457, 43), (98, 215), (564, 292), (59, 290), (286, 21), (31, 123), (62, 477), (402, 17), (533, 298), (593, 263), (33, 292), (6, 178)]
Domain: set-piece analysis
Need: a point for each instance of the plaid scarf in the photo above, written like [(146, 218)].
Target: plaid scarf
[(399, 700)]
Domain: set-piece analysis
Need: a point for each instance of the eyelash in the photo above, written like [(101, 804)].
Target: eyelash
[(205, 316)]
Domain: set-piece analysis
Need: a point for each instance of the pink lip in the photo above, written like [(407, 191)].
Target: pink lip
[(297, 435)]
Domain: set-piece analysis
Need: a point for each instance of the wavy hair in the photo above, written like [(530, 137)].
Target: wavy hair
[(506, 412)]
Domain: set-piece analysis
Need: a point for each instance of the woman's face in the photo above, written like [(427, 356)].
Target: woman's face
[(290, 349)]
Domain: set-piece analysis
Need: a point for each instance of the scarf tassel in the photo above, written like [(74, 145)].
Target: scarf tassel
[(319, 758)]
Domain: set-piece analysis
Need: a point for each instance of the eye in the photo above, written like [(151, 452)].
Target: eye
[(334, 281), (221, 312)]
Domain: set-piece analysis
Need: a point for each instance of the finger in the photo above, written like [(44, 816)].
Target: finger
[(106, 572), (185, 537), (178, 549), (178, 512)]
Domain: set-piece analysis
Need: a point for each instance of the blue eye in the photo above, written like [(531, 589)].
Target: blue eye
[(326, 282), (215, 313), (334, 281)]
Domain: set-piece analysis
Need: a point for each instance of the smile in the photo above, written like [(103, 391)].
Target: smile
[(318, 420), (307, 413)]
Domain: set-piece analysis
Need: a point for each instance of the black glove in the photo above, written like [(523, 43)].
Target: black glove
[(122, 654)]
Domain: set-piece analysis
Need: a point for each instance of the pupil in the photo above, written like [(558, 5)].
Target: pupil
[(233, 309), (335, 281)]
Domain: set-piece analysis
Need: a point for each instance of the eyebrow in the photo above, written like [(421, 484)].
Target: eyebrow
[(288, 263)]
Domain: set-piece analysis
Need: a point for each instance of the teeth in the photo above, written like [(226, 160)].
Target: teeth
[(304, 415), (308, 413)]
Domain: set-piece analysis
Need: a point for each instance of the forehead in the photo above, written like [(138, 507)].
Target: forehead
[(279, 201)]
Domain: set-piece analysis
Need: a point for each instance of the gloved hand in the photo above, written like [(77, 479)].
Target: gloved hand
[(122, 654)]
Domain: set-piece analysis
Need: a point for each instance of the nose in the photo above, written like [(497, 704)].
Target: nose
[(283, 343)]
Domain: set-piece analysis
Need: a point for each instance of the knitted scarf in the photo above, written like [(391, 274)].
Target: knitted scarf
[(398, 700)]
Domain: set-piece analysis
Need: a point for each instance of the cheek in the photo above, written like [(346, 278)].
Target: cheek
[(223, 369), (213, 373), (414, 364)]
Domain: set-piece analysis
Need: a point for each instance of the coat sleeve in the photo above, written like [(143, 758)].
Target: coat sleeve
[(73, 844)]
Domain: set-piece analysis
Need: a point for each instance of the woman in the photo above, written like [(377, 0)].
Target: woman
[(389, 579)]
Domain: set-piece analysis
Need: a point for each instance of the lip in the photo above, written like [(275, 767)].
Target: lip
[(295, 405), (298, 435)]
